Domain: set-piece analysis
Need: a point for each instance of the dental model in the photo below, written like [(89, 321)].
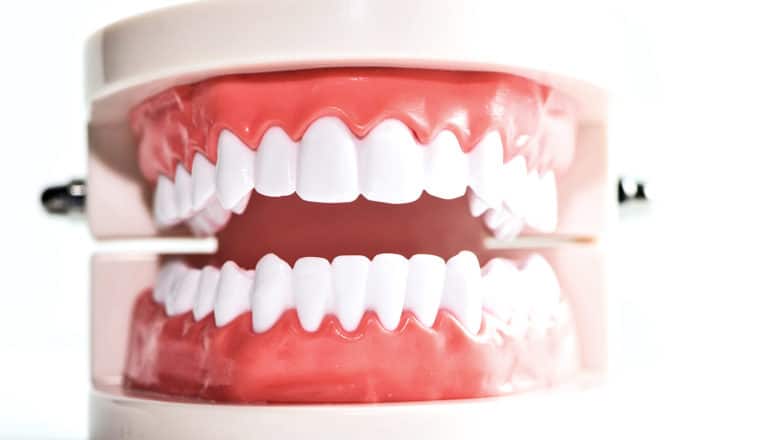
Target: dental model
[(398, 219)]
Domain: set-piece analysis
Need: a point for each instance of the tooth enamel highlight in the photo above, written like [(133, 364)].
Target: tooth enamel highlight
[(392, 169), (272, 293), (424, 286), (462, 290), (185, 289), (164, 209), (233, 291), (386, 288), (203, 181), (275, 164), (327, 163), (312, 282), (235, 169), (446, 167), (206, 294), (183, 191), (349, 275)]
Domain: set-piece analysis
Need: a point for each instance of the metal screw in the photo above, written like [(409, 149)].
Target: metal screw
[(64, 199)]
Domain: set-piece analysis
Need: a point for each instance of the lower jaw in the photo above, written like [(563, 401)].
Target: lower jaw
[(181, 357)]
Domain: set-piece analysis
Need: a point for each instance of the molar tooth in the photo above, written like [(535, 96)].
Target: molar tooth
[(486, 166), (424, 285), (184, 298), (386, 288), (542, 209), (312, 283), (166, 280), (327, 163), (500, 282), (392, 166), (203, 181), (271, 295), (183, 191), (275, 164), (206, 294), (164, 205), (476, 205), (349, 274), (233, 291), (462, 290), (446, 167), (235, 169)]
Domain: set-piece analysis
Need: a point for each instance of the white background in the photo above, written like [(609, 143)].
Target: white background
[(690, 291)]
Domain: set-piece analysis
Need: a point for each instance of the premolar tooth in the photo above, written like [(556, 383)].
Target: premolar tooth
[(242, 204), (203, 181), (542, 209), (476, 205), (515, 185), (542, 285), (349, 275), (206, 294), (312, 283), (424, 286), (233, 292), (494, 218), (183, 191), (462, 290), (500, 284), (386, 288), (392, 167), (164, 205), (271, 294), (275, 164), (485, 167), (184, 298), (166, 280), (235, 169), (446, 167), (510, 228), (327, 164)]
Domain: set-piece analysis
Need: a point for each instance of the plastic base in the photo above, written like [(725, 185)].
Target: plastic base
[(541, 415)]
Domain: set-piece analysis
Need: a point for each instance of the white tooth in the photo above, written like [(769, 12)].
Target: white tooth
[(186, 288), (233, 292), (386, 288), (485, 167), (242, 204), (166, 280), (424, 286), (327, 164), (271, 295), (494, 218), (476, 205), (446, 167), (515, 185), (275, 164), (312, 283), (542, 209), (392, 167), (165, 210), (349, 274), (510, 228), (206, 294), (203, 181), (215, 214), (183, 191), (235, 169), (542, 286), (199, 225), (500, 285), (462, 290)]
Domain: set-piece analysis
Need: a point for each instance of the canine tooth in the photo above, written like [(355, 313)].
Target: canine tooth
[(446, 167), (165, 210), (327, 164), (235, 169), (392, 167), (206, 294), (271, 294), (462, 290), (184, 298), (485, 167), (542, 209), (349, 274), (233, 291), (275, 164), (424, 285), (476, 205), (312, 282), (386, 288), (499, 280), (203, 181), (166, 280), (183, 191)]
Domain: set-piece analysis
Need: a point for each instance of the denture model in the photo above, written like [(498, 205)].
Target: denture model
[(366, 219)]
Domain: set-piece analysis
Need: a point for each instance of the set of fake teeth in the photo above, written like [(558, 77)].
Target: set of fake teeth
[(331, 165), (527, 299)]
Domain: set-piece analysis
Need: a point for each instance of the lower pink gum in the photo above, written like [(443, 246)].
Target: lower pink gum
[(180, 357)]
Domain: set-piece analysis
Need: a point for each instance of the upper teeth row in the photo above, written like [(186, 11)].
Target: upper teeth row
[(526, 299), (331, 165)]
